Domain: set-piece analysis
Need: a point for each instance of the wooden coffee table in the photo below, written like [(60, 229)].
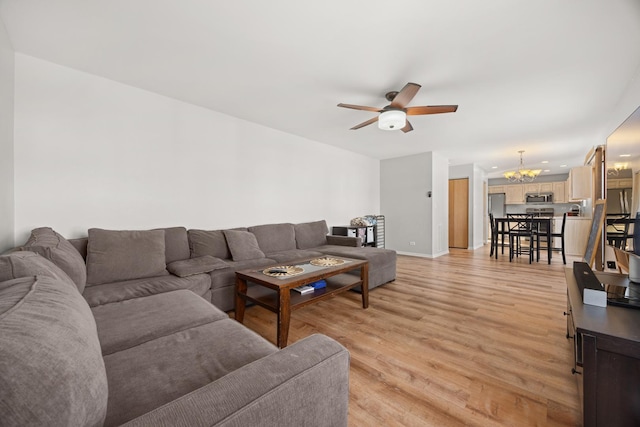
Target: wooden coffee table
[(277, 295)]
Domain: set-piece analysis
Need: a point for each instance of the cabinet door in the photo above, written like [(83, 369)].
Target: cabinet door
[(576, 233), (612, 183), (532, 188), (625, 183), (580, 179), (515, 194), (559, 195), (493, 189), (546, 187)]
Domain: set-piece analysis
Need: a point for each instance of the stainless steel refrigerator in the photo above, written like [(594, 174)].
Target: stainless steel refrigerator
[(618, 200), (497, 205)]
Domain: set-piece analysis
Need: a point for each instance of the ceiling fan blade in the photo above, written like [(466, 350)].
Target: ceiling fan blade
[(360, 107), (407, 127), (405, 95), (367, 123), (431, 109)]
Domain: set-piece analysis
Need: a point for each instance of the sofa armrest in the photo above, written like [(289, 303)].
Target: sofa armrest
[(306, 383), (355, 242)]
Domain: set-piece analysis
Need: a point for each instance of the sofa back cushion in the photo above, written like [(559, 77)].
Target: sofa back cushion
[(209, 242), (81, 246), (23, 264), (176, 244), (51, 367), (275, 237), (311, 234), (115, 256), (51, 245)]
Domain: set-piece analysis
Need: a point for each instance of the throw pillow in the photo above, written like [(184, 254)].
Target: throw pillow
[(51, 245), (189, 267), (243, 245), (311, 234), (115, 256)]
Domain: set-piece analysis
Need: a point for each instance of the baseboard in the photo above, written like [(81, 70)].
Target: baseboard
[(423, 255)]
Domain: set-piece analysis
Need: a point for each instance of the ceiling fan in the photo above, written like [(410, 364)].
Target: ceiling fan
[(394, 115)]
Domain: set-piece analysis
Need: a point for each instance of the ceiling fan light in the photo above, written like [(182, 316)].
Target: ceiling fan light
[(392, 120)]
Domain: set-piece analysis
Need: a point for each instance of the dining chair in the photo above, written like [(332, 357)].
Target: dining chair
[(521, 226), (494, 235), (550, 245)]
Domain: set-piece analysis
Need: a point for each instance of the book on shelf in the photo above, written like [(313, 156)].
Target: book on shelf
[(319, 284), (305, 289)]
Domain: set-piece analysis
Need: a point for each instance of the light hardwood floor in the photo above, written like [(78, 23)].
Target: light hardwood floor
[(460, 340)]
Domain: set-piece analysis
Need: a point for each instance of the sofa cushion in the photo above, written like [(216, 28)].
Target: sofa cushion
[(147, 376), (22, 264), (176, 244), (128, 289), (199, 265), (81, 246), (209, 242), (51, 245), (154, 316), (311, 234), (51, 368), (293, 255), (113, 256), (274, 237), (243, 245)]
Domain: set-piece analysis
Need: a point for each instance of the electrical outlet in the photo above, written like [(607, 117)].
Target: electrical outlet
[(611, 264), (412, 243)]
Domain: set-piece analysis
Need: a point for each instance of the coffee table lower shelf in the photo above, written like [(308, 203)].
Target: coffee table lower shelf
[(268, 298)]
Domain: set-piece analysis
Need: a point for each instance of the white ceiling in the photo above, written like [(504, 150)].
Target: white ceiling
[(540, 76)]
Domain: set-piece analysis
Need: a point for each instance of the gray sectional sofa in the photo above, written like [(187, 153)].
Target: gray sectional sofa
[(117, 328)]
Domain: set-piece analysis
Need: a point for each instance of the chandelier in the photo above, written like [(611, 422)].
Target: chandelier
[(522, 174)]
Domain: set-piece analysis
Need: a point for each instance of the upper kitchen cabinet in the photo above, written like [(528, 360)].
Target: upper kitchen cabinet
[(559, 193), (620, 183), (538, 187), (580, 183), (532, 188), (514, 194), (493, 189)]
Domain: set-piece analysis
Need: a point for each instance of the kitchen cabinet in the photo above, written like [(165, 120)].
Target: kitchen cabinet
[(493, 189), (620, 183), (546, 187), (538, 187), (514, 194), (559, 194), (580, 183), (576, 234)]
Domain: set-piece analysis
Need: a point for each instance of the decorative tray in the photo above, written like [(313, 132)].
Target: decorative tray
[(326, 262), (283, 271)]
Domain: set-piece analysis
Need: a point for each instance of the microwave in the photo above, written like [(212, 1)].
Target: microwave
[(539, 198)]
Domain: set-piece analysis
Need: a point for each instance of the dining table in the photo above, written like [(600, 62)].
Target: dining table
[(538, 223)]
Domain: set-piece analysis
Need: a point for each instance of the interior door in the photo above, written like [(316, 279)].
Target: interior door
[(459, 213)]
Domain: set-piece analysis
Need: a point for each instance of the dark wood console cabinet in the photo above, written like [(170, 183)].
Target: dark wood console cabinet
[(606, 356)]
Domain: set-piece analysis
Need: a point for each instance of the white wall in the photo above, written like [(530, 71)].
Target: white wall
[(6, 141), (440, 204), (91, 152), (412, 216)]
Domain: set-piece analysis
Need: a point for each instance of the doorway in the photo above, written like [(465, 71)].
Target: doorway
[(459, 213)]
